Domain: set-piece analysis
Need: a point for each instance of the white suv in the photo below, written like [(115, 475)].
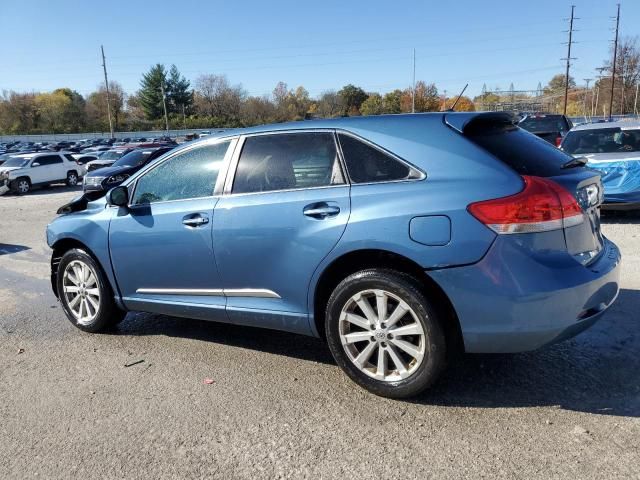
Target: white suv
[(22, 172)]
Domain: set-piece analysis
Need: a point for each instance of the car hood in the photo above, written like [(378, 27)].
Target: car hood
[(108, 171), (8, 169), (611, 157)]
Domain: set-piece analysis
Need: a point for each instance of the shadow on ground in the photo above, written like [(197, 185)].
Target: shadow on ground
[(596, 372), (55, 188), (620, 217), (6, 248)]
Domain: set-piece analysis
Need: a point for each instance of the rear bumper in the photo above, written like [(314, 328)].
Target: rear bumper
[(513, 301)]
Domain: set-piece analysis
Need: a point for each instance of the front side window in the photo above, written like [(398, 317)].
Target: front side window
[(367, 164), (48, 160), (191, 174), (287, 161)]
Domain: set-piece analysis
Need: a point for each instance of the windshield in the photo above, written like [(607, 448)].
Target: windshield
[(16, 162), (133, 159), (544, 124), (112, 155), (602, 140)]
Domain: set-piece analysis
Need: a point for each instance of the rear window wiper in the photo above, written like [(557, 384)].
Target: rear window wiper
[(575, 162)]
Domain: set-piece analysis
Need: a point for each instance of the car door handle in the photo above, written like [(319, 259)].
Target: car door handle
[(321, 210), (195, 220)]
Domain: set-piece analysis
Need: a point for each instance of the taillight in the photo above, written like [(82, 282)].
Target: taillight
[(542, 206), (558, 141)]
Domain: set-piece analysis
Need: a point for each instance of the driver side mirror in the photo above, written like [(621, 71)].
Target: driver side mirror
[(35, 164), (118, 196)]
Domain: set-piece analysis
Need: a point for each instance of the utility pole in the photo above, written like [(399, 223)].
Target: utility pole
[(164, 104), (635, 102), (184, 118), (566, 75), (584, 102), (613, 66), (106, 84), (413, 88)]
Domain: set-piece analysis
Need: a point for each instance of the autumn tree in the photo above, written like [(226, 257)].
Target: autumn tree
[(426, 98), (329, 104), (96, 107), (373, 105), (214, 96)]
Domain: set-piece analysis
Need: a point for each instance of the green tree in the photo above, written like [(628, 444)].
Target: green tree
[(150, 93), (393, 101), (374, 105), (556, 84), (351, 98), (178, 93)]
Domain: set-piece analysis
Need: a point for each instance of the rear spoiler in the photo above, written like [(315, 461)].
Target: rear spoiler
[(462, 121)]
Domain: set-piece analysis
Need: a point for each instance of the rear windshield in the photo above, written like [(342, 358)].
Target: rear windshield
[(544, 124), (521, 150), (602, 140)]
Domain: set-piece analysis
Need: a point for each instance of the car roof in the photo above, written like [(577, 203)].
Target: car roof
[(622, 124)]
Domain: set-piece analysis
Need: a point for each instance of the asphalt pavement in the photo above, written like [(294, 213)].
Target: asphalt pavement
[(134, 403)]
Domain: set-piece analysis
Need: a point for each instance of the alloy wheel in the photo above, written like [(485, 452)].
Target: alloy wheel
[(382, 335), (72, 179), (23, 186), (81, 291)]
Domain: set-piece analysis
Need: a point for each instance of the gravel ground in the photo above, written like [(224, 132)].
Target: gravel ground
[(71, 408)]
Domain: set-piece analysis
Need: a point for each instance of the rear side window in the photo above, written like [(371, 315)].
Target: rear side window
[(287, 161), (521, 150), (69, 157), (602, 140), (367, 164)]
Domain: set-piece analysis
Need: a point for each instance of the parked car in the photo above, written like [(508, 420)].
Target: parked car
[(399, 239), (23, 172), (551, 128), (107, 158), (98, 182), (613, 149)]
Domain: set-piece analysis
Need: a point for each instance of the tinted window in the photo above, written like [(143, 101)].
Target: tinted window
[(286, 161), (69, 157), (602, 140), (191, 174), (367, 164), (521, 150), (48, 160), (545, 124)]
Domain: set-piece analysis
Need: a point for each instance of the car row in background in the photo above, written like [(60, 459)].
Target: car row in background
[(98, 182), (78, 146)]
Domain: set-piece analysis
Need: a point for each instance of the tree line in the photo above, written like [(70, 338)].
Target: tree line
[(214, 102)]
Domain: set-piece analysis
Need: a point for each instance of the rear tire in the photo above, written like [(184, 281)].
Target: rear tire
[(72, 179), (385, 334), (85, 293)]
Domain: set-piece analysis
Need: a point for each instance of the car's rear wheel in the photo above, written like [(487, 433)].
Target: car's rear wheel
[(72, 179), (21, 185), (384, 333), (85, 294)]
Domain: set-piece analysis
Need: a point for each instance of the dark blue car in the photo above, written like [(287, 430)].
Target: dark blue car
[(399, 239)]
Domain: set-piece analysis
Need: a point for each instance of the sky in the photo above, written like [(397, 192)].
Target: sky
[(321, 45)]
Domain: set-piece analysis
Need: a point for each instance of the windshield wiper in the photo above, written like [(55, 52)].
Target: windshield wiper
[(575, 162)]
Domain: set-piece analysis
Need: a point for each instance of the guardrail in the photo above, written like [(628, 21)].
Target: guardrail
[(58, 137)]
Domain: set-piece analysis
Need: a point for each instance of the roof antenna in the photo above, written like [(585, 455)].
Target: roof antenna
[(452, 108)]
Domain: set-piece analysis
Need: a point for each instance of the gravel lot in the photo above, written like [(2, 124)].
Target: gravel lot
[(280, 407)]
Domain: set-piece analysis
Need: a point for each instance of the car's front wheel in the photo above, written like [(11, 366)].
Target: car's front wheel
[(85, 294), (384, 333), (21, 185)]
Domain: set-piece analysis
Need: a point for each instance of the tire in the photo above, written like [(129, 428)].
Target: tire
[(21, 185), (422, 333), (72, 179), (81, 276)]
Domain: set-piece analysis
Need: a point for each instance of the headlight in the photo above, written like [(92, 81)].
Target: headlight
[(117, 178)]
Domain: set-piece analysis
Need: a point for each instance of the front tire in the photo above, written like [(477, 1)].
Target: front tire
[(385, 334), (85, 293), (21, 185)]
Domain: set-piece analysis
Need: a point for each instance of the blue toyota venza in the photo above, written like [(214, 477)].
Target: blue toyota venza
[(400, 239)]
